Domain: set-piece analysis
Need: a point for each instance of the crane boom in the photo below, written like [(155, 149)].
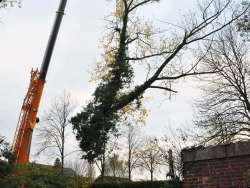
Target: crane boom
[(28, 115)]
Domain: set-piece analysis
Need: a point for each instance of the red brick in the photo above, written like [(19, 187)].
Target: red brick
[(218, 173)]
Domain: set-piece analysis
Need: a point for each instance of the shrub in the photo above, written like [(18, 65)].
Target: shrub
[(79, 182), (33, 176), (142, 184), (40, 176), (11, 182)]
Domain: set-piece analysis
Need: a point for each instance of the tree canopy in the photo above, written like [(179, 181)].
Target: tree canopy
[(7, 3), (132, 42)]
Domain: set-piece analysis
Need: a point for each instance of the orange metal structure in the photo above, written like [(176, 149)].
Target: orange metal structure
[(28, 115), (27, 119)]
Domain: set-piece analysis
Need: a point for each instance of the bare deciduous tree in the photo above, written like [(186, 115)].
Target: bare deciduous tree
[(213, 17), (52, 134), (176, 140), (115, 166), (133, 143), (224, 110), (78, 165), (90, 172), (150, 156), (79, 168)]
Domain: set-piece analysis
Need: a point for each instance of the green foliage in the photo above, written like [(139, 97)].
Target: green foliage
[(5, 151), (6, 158), (100, 117), (35, 176), (143, 184), (5, 169), (57, 163), (79, 182), (7, 180), (40, 176), (11, 182)]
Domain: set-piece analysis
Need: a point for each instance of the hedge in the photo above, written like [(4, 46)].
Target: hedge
[(142, 184)]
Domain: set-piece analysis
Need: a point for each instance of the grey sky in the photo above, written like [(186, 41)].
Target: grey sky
[(24, 33)]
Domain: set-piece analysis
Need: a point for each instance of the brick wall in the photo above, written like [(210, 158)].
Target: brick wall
[(224, 166)]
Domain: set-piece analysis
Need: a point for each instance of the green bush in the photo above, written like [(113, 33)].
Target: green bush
[(142, 184), (34, 176), (10, 182), (38, 176), (41, 176), (79, 182), (5, 169)]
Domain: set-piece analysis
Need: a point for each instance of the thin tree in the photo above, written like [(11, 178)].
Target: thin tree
[(224, 110), (175, 140), (52, 135), (150, 156), (57, 163), (115, 166), (90, 172), (101, 161), (79, 168), (133, 144)]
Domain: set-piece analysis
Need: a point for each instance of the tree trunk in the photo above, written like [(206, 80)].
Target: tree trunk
[(129, 164), (151, 168), (129, 172), (103, 168), (63, 140), (151, 173)]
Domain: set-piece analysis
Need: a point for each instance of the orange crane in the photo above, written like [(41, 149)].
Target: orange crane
[(28, 115)]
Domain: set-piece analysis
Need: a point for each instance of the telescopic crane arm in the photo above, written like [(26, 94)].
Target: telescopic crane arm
[(28, 114)]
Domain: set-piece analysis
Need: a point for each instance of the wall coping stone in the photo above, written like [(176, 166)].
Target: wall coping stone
[(201, 153)]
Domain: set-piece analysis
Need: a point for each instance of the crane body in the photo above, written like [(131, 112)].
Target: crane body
[(28, 115)]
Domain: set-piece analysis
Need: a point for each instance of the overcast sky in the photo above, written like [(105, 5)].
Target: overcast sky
[(23, 38)]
